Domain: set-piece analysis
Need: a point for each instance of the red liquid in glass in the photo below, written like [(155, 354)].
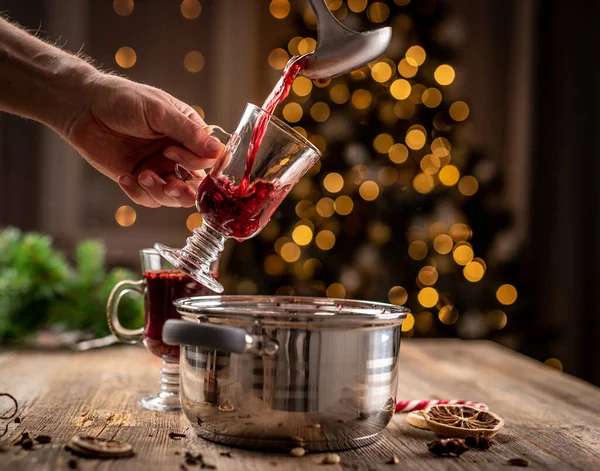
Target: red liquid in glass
[(162, 288), (241, 211), (237, 212)]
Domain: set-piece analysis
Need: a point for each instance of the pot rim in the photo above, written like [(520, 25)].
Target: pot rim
[(286, 308)]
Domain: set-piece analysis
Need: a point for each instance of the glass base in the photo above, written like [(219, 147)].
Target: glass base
[(177, 259), (162, 402)]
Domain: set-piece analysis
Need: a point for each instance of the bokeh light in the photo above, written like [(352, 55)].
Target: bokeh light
[(193, 221), (279, 8), (449, 175), (432, 98), (459, 111), (369, 190), (278, 58), (381, 72), (320, 111), (415, 139), (468, 185), (554, 363), (378, 12), (398, 153), (343, 205), (290, 252), (125, 57), (428, 297), (444, 74), (443, 244), (460, 232), (357, 5), (430, 164), (190, 9), (361, 99), (462, 254), (406, 69), (497, 319), (408, 323), (193, 61), (339, 93), (125, 216), (325, 207), (302, 86), (383, 142), (400, 89), (448, 315), (415, 56), (307, 45), (302, 235), (123, 7), (473, 271), (428, 275), (423, 183), (292, 112), (335, 290), (417, 250), (397, 295), (325, 240), (333, 182), (274, 265), (507, 294)]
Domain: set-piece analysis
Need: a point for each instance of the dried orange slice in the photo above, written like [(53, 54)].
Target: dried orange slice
[(461, 421), (416, 418)]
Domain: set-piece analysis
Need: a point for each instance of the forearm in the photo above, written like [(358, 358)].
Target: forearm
[(39, 81)]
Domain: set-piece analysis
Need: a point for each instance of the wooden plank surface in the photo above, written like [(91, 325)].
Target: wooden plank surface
[(552, 419)]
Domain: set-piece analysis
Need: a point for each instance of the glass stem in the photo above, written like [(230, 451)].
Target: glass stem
[(202, 248), (169, 378)]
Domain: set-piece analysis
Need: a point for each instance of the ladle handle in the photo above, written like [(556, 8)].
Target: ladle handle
[(217, 337), (325, 19)]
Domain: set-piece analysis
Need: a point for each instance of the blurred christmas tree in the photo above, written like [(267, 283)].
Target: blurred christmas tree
[(398, 208)]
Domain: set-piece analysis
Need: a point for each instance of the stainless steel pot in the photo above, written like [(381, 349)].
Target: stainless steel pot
[(280, 372)]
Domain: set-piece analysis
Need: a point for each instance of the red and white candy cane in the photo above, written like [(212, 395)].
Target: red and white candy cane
[(409, 406)]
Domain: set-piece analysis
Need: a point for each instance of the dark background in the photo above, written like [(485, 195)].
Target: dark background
[(525, 67)]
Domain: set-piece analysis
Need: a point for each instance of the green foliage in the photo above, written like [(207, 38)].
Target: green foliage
[(38, 288)]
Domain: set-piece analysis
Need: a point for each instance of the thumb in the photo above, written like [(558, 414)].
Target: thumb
[(188, 130)]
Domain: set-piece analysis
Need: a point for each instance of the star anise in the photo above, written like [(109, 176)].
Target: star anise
[(448, 447)]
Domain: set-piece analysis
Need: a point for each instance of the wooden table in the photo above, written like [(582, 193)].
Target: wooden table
[(552, 419)]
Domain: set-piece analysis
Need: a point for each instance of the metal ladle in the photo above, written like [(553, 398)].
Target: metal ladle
[(339, 49)]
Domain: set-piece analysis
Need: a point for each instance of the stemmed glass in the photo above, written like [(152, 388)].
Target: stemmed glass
[(235, 203), (161, 284)]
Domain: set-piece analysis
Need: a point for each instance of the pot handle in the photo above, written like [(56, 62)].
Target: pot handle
[(217, 337)]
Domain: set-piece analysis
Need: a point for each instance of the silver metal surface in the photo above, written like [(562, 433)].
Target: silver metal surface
[(330, 385), (339, 49)]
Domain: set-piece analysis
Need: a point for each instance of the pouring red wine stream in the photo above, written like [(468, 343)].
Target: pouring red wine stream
[(239, 211)]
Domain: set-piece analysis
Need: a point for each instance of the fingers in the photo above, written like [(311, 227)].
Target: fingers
[(188, 160), (180, 191), (136, 193), (188, 131), (155, 187)]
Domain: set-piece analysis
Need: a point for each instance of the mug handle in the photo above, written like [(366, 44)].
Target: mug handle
[(216, 131), (112, 311)]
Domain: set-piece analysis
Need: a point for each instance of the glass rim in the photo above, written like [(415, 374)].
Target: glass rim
[(286, 307), (287, 128)]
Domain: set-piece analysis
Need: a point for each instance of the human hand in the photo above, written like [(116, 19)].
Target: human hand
[(136, 134)]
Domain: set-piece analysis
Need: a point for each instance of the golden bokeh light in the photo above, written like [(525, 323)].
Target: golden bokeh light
[(416, 93), (497, 319), (193, 221), (278, 58), (290, 252), (357, 5), (125, 216), (398, 153), (311, 266), (325, 207), (190, 9), (381, 72), (473, 271), (274, 265), (415, 56), (443, 244), (292, 112), (335, 290), (408, 323), (507, 294), (333, 182), (302, 86), (325, 240), (123, 7), (459, 111), (320, 111), (462, 254), (428, 275), (379, 232), (334, 4), (428, 297), (125, 57), (432, 98), (554, 363), (415, 139), (193, 61), (279, 243), (423, 183), (307, 45), (339, 93), (448, 315), (300, 130), (378, 12), (319, 142), (417, 250), (406, 69), (444, 74), (430, 164), (302, 235), (383, 142), (404, 109), (369, 190), (293, 45), (321, 83), (460, 232), (387, 175), (423, 322), (361, 99), (468, 185), (279, 8), (449, 175), (400, 89), (343, 205), (441, 147), (397, 295)]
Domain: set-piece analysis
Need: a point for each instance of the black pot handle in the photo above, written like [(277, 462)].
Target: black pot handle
[(207, 335)]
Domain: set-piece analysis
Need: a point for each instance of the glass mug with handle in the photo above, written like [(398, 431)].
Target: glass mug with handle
[(161, 285), (237, 200)]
